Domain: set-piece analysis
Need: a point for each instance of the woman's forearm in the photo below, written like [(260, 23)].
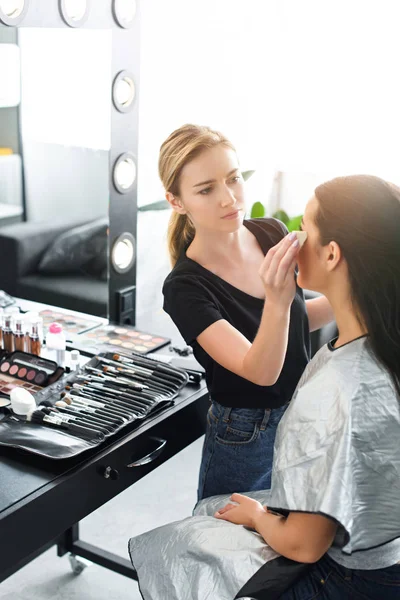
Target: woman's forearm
[(264, 360)]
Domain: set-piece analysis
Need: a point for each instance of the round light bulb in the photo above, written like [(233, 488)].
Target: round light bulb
[(12, 8), (125, 173), (75, 9)]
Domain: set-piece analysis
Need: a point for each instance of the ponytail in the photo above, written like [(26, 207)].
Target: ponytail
[(180, 234)]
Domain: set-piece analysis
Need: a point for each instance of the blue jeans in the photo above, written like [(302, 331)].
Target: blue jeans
[(238, 450), (326, 580)]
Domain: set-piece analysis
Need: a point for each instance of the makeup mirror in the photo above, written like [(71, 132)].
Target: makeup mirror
[(75, 135)]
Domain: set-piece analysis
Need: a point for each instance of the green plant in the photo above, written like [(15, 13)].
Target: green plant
[(257, 210)]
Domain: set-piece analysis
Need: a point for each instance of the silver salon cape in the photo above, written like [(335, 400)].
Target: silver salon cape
[(337, 453)]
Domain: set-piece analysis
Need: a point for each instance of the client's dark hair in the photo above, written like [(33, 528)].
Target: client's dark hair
[(362, 214)]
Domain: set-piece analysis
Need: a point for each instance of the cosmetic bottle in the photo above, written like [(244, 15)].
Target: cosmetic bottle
[(8, 338), (34, 345), (19, 333), (1, 327), (74, 360), (28, 318), (56, 343)]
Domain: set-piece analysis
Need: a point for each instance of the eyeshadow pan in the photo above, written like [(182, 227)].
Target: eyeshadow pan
[(5, 366), (31, 375), (40, 377), (22, 372), (13, 369), (145, 336)]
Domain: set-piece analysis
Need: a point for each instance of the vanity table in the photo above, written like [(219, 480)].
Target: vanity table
[(43, 500)]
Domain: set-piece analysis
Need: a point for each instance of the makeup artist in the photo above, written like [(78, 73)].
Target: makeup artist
[(232, 293)]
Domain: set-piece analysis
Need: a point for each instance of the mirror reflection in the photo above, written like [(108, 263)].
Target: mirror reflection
[(55, 145)]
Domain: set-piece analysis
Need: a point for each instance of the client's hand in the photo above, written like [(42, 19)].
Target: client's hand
[(243, 513)]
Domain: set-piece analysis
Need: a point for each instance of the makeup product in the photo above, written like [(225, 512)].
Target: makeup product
[(40, 418), (124, 337), (8, 339), (68, 417), (28, 371), (74, 360), (22, 401), (34, 344), (56, 343), (1, 327), (301, 236), (19, 333), (72, 324)]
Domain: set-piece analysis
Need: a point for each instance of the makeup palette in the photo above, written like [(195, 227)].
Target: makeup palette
[(28, 371), (71, 324), (119, 336)]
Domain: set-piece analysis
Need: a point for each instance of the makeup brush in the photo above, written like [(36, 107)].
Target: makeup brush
[(151, 364), (142, 374), (145, 373), (121, 396), (145, 398), (164, 375), (77, 413), (88, 404), (122, 384), (162, 388), (98, 402), (102, 418), (111, 385), (67, 417), (134, 384), (113, 396), (40, 418)]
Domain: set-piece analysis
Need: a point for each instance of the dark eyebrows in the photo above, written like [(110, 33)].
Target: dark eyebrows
[(213, 180)]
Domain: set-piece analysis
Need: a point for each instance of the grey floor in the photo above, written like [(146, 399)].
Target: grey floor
[(165, 495)]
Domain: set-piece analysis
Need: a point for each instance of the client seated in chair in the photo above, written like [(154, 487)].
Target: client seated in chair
[(332, 527)]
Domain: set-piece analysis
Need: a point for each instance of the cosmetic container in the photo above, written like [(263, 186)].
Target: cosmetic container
[(34, 345), (56, 343), (18, 333), (8, 338)]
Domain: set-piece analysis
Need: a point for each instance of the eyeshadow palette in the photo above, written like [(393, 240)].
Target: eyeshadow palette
[(27, 370), (121, 336), (70, 323), (8, 383)]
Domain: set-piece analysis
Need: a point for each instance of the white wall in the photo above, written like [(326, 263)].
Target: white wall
[(303, 87)]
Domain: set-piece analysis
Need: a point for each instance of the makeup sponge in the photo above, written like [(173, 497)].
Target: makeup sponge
[(22, 401), (301, 236)]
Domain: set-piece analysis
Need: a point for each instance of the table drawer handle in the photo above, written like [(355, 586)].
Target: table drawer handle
[(152, 455)]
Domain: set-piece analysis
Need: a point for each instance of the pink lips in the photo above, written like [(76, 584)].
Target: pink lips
[(231, 215)]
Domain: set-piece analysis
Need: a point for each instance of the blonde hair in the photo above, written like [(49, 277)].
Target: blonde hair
[(182, 146)]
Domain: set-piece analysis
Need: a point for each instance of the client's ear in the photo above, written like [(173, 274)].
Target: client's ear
[(333, 255), (175, 203)]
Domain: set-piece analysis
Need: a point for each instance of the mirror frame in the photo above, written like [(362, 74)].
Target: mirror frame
[(124, 131)]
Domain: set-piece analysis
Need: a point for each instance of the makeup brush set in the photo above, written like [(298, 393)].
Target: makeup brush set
[(109, 392)]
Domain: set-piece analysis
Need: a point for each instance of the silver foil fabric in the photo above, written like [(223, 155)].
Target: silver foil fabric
[(199, 558), (336, 453), (337, 450)]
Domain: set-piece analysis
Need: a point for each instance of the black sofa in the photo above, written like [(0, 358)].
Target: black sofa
[(22, 246)]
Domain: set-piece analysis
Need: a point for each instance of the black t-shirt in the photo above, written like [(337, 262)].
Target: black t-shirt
[(194, 297)]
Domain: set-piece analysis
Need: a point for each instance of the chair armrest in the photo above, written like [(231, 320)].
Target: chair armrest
[(22, 246)]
